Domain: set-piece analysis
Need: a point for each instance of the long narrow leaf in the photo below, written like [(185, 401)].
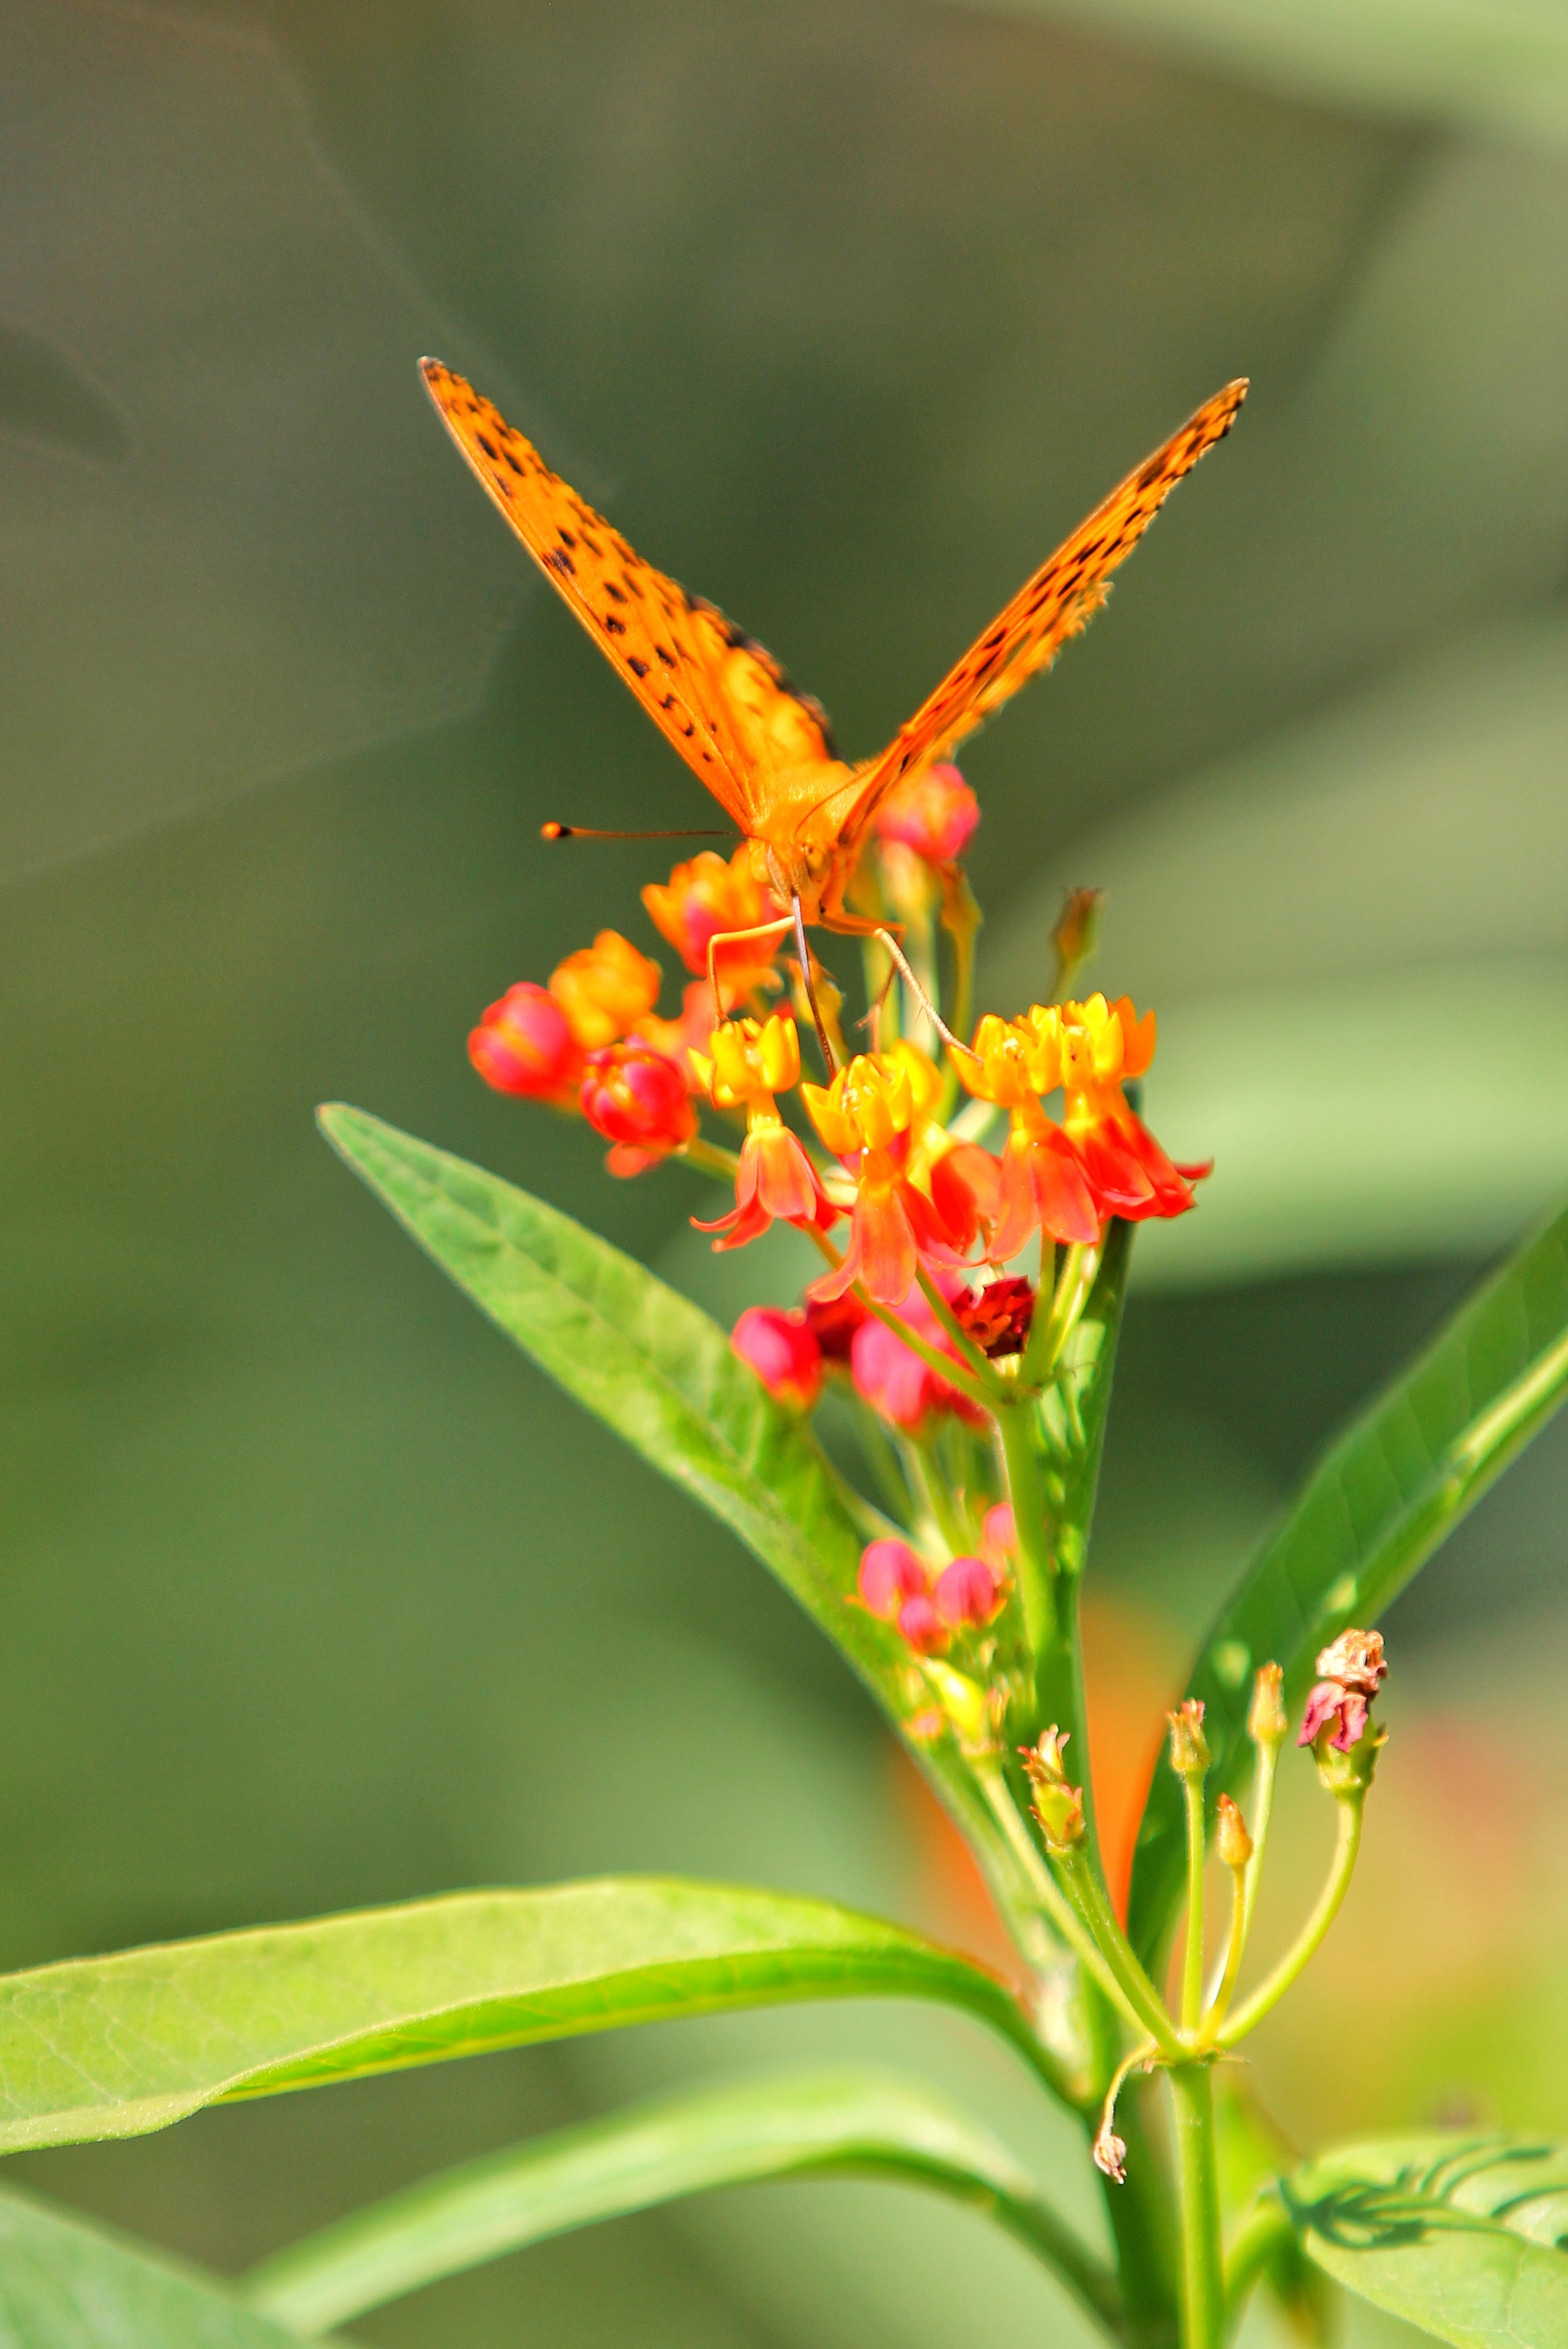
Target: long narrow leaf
[(66, 2284), (1465, 2237), (1368, 1517), (664, 1376), (734, 2134), (110, 2047)]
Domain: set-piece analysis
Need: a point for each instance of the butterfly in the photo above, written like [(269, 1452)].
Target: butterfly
[(765, 751)]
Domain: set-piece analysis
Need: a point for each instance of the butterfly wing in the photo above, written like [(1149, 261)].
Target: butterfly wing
[(1028, 633), (720, 700)]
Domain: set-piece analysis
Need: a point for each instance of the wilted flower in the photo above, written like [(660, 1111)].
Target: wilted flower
[(1352, 1672), (605, 990), (783, 1353), (525, 1045), (998, 1316)]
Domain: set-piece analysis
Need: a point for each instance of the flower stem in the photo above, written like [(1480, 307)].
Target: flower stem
[(1026, 1491), (1203, 2275), (999, 1389), (1139, 1997), (1049, 1332), (1341, 1869), (1263, 1808), (1066, 1918), (957, 1374), (711, 1158), (1192, 1960), (1225, 1989)]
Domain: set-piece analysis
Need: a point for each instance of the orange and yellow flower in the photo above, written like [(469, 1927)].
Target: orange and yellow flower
[(870, 1116), (1101, 1046), (605, 990), (706, 897), (750, 1062), (1043, 1185)]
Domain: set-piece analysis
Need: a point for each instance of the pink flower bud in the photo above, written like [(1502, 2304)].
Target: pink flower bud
[(999, 1534), (922, 1627), (525, 1045), (783, 1352), (889, 1574), (966, 1593), (932, 811)]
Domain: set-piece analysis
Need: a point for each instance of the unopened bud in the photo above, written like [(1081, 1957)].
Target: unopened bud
[(1268, 1722), (1075, 934), (1188, 1750), (1058, 1806), (1231, 1841)]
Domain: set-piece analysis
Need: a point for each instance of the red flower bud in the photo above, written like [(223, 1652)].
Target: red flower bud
[(931, 810), (967, 1594), (637, 1099), (783, 1352), (834, 1326), (889, 1574), (525, 1045)]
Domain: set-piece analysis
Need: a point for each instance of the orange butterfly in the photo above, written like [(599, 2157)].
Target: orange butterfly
[(763, 750)]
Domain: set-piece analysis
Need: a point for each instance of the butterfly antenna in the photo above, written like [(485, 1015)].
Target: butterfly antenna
[(553, 831), (828, 1061)]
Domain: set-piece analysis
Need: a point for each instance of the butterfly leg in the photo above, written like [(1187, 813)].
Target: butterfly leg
[(856, 926), (779, 929)]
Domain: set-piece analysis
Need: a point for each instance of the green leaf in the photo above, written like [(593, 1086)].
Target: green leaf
[(1368, 1517), (67, 2285), (641, 1358), (1464, 2236), (1497, 67), (110, 2047), (664, 1376), (850, 2122)]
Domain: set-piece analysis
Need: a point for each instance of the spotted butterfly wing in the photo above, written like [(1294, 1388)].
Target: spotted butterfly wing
[(1028, 633), (720, 699)]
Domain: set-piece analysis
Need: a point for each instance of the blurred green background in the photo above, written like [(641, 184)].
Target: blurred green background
[(315, 1594)]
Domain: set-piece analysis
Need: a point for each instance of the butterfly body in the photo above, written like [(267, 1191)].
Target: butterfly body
[(763, 750)]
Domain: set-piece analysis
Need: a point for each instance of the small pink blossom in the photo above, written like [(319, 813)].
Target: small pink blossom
[(783, 1353), (921, 1626), (967, 1594), (889, 1574)]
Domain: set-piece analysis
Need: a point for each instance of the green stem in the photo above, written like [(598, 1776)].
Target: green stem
[(711, 1158), (930, 1497), (1049, 1332), (1192, 1961), (1031, 1550), (1342, 1868), (957, 1374), (1202, 2280), (1263, 1808), (1137, 1995), (1225, 1990), (880, 1457), (999, 1389), (1139, 2217), (1066, 1919)]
